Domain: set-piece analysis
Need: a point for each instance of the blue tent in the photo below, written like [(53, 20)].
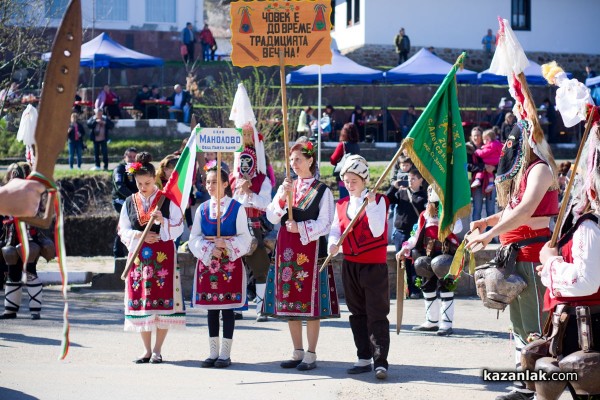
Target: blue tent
[(426, 68), (342, 70), (533, 75), (104, 52), (594, 85)]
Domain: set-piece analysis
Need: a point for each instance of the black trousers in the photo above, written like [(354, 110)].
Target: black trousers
[(367, 291)]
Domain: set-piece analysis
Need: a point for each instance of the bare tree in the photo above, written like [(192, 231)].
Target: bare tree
[(23, 38)]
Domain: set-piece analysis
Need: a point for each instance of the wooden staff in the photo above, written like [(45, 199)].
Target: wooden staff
[(364, 205), (286, 147), (400, 268), (219, 183), (563, 206), (138, 247)]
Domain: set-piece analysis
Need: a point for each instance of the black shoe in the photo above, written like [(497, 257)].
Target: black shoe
[(222, 363), (290, 363), (262, 318), (8, 316), (306, 366), (237, 316), (416, 296), (516, 395), (381, 373), (142, 360), (445, 332), (422, 328), (35, 316), (359, 370), (156, 359), (209, 363)]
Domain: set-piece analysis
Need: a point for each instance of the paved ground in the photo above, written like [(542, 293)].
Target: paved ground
[(98, 366)]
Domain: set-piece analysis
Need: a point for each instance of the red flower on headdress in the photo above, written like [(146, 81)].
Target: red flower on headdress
[(308, 149), (134, 167), (260, 137)]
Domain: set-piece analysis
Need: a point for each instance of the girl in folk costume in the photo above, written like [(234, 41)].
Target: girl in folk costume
[(432, 260), (252, 188), (220, 277), (527, 187), (153, 298), (296, 290), (39, 245), (364, 269)]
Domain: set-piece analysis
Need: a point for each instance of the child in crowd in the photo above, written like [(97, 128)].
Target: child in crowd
[(490, 154), (400, 173), (410, 203), (432, 260), (220, 278)]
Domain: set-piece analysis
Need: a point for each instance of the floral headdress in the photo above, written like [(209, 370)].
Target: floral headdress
[(134, 167), (210, 166), (308, 149)]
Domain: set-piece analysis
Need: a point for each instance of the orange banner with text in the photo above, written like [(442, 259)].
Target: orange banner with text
[(259, 29)]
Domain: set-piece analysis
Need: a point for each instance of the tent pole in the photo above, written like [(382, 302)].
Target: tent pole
[(319, 129)]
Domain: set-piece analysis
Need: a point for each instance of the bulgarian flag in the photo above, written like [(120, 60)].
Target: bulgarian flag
[(436, 146), (179, 186)]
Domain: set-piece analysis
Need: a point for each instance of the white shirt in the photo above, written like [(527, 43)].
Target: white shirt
[(170, 229), (237, 246), (177, 100), (376, 215), (309, 230), (259, 201), (582, 277)]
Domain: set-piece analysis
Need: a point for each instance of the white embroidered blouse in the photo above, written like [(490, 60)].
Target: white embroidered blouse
[(237, 246), (171, 229), (582, 277), (376, 215), (309, 230)]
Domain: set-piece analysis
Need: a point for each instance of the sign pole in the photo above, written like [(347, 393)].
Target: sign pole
[(286, 146), (219, 184)]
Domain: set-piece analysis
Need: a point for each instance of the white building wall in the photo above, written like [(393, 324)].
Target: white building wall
[(186, 11), (348, 36), (557, 26)]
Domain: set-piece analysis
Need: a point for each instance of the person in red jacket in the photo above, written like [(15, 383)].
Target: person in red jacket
[(490, 155), (364, 269), (209, 44)]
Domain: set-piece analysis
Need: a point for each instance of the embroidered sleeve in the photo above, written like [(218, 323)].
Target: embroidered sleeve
[(580, 278), (274, 210), (336, 231), (128, 235), (172, 227), (261, 200), (313, 229), (377, 216), (200, 247), (239, 245)]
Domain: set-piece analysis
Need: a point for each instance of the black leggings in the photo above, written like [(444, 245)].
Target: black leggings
[(228, 323)]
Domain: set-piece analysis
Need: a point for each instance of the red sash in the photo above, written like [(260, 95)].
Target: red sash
[(220, 285), (150, 284)]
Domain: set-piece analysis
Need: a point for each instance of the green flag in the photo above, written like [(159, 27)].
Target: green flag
[(436, 145)]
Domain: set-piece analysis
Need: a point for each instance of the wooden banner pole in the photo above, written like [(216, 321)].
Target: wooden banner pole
[(286, 146), (219, 184)]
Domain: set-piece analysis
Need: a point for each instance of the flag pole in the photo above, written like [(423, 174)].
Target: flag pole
[(364, 204), (286, 147), (563, 206), (219, 183), (133, 255)]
